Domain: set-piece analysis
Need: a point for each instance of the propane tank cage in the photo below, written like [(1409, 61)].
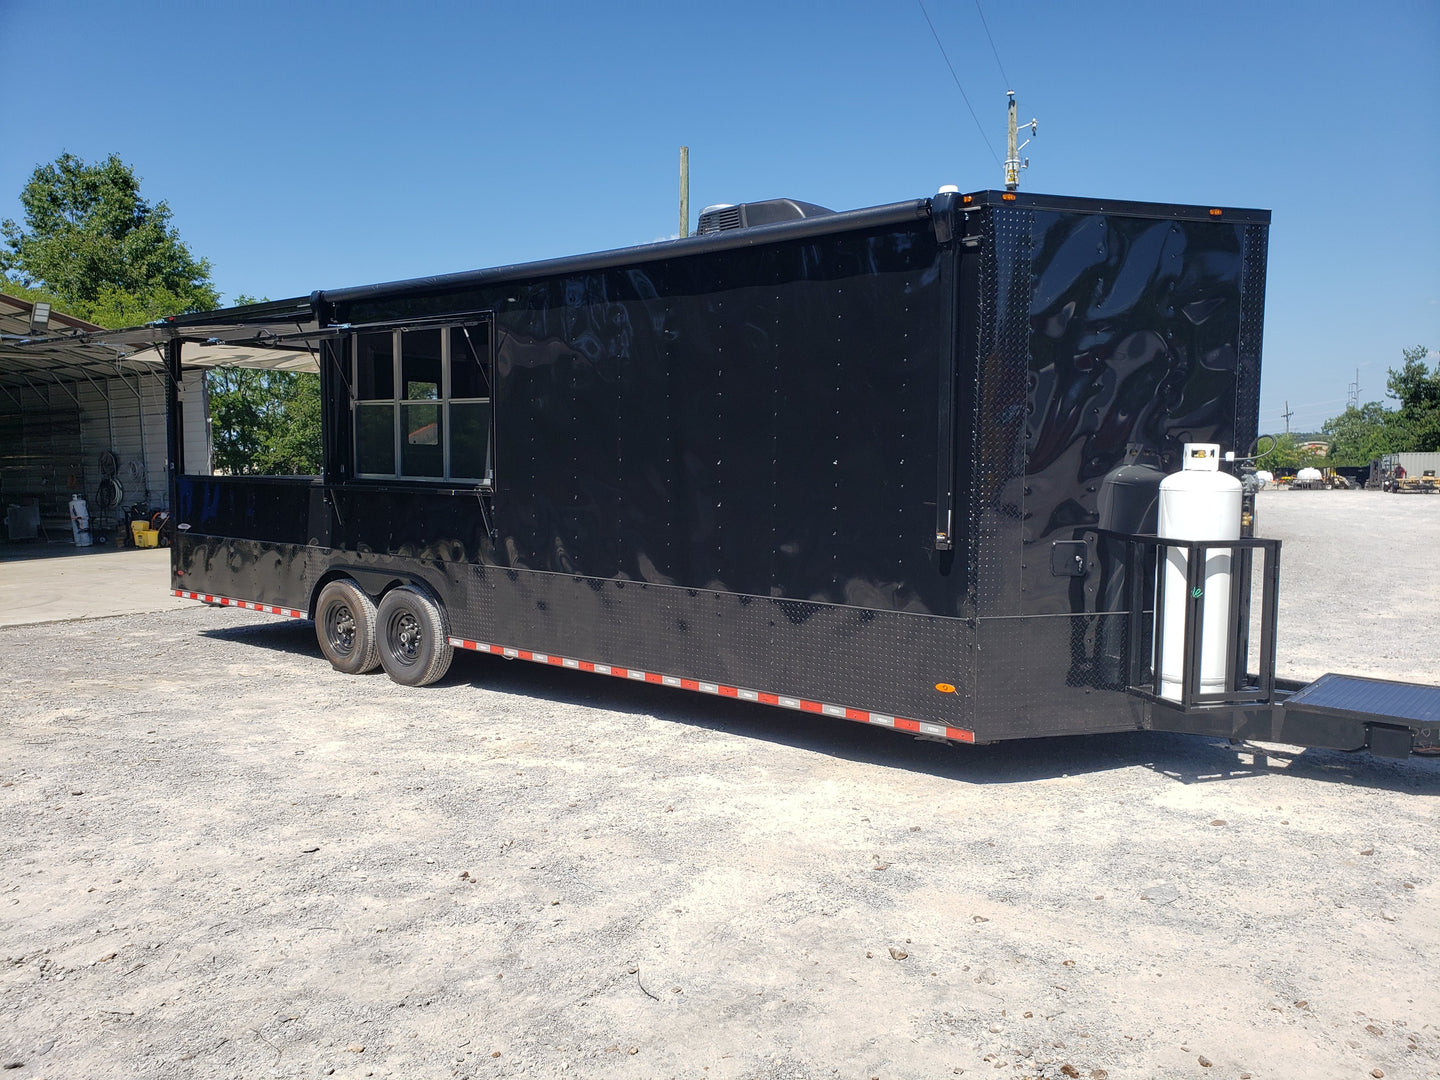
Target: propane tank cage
[(1143, 554)]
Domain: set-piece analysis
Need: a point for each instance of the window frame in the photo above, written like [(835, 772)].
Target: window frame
[(484, 343)]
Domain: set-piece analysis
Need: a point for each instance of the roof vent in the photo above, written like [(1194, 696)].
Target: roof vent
[(723, 216)]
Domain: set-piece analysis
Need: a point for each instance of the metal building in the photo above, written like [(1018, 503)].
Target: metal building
[(89, 419)]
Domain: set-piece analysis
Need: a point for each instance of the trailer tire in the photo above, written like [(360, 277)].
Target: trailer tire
[(345, 621), (413, 636)]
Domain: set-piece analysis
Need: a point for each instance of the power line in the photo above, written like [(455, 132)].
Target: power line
[(978, 126), (1008, 84), (1310, 405)]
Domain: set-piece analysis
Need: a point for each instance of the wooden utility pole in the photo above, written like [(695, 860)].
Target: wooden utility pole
[(1013, 162), (684, 192), (1012, 152), (1287, 414)]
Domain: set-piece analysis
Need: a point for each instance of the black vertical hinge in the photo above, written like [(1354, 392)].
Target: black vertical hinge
[(947, 221)]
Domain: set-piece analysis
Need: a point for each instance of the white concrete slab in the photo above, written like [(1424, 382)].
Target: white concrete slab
[(84, 585)]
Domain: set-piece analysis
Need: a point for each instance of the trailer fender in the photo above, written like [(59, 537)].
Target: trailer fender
[(376, 583)]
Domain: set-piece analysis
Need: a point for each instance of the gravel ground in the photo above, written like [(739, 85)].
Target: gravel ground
[(223, 860), (1359, 582)]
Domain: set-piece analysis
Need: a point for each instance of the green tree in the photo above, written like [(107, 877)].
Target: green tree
[(1418, 390), (1286, 455), (98, 250), (294, 449), (1415, 383), (264, 422), (1359, 436)]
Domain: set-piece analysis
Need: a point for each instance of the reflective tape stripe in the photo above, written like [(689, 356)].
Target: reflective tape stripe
[(846, 712), (918, 727), (230, 601)]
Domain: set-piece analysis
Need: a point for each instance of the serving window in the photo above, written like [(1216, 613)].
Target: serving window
[(422, 403)]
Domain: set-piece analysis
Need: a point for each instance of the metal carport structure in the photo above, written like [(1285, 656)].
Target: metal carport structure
[(71, 391)]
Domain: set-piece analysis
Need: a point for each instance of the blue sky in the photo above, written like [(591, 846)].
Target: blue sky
[(314, 145)]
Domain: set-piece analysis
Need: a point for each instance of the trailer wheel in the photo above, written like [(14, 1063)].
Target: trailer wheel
[(414, 637), (345, 624)]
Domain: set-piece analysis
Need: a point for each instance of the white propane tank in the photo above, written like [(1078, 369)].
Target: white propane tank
[(1197, 503), (80, 521)]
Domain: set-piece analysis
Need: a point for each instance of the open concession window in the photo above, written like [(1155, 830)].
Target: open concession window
[(249, 410)]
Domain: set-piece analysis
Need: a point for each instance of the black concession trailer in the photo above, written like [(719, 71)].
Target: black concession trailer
[(895, 465)]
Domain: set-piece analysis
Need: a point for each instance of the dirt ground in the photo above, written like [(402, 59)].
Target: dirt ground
[(221, 859)]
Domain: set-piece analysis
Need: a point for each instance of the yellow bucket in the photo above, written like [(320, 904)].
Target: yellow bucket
[(145, 537)]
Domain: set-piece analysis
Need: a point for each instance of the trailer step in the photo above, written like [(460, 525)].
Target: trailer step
[(1409, 703)]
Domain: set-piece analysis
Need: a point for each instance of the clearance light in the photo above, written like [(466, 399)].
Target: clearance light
[(1214, 212), (944, 688), (967, 199), (1008, 197)]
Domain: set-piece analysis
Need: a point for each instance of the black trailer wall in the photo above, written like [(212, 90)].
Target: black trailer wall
[(722, 466), (722, 463), (1097, 331)]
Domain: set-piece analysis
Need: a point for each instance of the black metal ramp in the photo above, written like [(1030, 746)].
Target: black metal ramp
[(1391, 719), (1378, 698)]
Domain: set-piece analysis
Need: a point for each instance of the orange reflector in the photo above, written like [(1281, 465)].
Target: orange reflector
[(1214, 213), (944, 688), (967, 199), (1009, 197)]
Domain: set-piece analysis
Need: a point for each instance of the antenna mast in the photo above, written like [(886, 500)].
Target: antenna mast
[(1013, 161)]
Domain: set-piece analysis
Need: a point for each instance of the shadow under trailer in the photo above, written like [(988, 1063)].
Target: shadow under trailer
[(934, 466)]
